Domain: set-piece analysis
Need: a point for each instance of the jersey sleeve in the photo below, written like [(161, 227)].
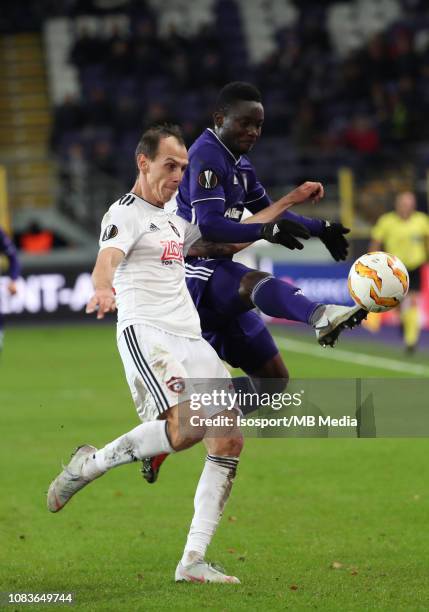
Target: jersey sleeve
[(8, 248), (192, 234), (119, 229), (206, 176), (256, 197)]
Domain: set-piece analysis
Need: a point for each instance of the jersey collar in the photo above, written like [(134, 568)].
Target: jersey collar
[(147, 204), (213, 133)]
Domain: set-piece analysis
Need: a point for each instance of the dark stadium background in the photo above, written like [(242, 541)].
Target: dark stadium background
[(345, 87)]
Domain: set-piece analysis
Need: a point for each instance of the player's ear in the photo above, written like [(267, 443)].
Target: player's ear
[(218, 119), (142, 163)]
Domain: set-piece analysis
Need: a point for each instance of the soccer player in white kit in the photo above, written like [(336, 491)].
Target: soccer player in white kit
[(141, 255), (159, 339)]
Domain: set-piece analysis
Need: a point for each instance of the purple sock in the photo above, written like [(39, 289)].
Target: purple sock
[(280, 299)]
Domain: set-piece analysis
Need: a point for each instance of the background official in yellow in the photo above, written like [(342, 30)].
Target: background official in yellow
[(404, 232)]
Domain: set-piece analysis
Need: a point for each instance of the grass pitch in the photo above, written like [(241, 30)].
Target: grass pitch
[(336, 524)]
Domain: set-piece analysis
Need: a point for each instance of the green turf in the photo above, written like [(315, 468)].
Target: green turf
[(298, 505)]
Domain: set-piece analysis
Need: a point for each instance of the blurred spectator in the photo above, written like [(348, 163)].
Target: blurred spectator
[(361, 136), (36, 240), (68, 117), (98, 111), (88, 49), (103, 157), (119, 59)]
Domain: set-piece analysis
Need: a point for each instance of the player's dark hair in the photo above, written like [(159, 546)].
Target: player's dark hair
[(236, 92), (149, 142)]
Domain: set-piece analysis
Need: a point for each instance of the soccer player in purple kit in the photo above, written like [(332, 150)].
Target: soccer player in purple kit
[(219, 183), (8, 248)]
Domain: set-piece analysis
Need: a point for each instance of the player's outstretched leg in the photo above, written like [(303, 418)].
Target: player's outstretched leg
[(333, 319), (242, 384), (278, 298), (212, 493), (88, 463)]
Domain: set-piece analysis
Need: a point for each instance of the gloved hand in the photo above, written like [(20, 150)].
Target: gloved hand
[(283, 232), (332, 237)]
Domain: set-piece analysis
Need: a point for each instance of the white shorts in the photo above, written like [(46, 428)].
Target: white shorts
[(163, 369)]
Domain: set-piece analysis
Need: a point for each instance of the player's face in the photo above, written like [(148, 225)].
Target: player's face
[(240, 126), (165, 172), (405, 204)]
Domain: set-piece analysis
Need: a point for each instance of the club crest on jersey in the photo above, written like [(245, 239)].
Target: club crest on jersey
[(208, 179), (110, 232), (176, 384), (174, 228), (173, 251)]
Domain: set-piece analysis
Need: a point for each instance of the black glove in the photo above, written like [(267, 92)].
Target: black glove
[(332, 237), (283, 232)]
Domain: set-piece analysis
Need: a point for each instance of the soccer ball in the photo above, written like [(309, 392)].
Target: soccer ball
[(378, 281)]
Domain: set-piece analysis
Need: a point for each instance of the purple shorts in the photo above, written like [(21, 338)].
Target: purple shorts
[(238, 335)]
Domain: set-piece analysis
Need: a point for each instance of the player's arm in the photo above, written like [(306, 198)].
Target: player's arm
[(206, 248), (207, 177), (331, 234), (103, 300), (216, 228), (9, 249), (309, 190), (258, 200)]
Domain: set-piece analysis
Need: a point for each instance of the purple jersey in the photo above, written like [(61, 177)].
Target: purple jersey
[(215, 190), (217, 187)]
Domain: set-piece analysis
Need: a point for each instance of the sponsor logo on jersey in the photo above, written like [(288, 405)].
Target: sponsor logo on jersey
[(110, 232), (234, 213), (126, 200), (208, 179), (173, 251), (176, 384), (153, 228), (174, 228)]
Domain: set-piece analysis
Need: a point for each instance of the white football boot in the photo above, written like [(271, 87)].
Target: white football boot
[(334, 319), (70, 481), (200, 571)]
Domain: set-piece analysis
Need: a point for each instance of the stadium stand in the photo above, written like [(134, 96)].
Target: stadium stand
[(344, 83)]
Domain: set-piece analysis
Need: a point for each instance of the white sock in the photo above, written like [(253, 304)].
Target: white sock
[(211, 495), (145, 440)]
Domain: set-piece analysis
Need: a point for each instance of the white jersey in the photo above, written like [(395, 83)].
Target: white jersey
[(150, 282)]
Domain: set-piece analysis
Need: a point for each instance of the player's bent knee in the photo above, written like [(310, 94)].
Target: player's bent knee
[(226, 447), (248, 282), (181, 433)]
